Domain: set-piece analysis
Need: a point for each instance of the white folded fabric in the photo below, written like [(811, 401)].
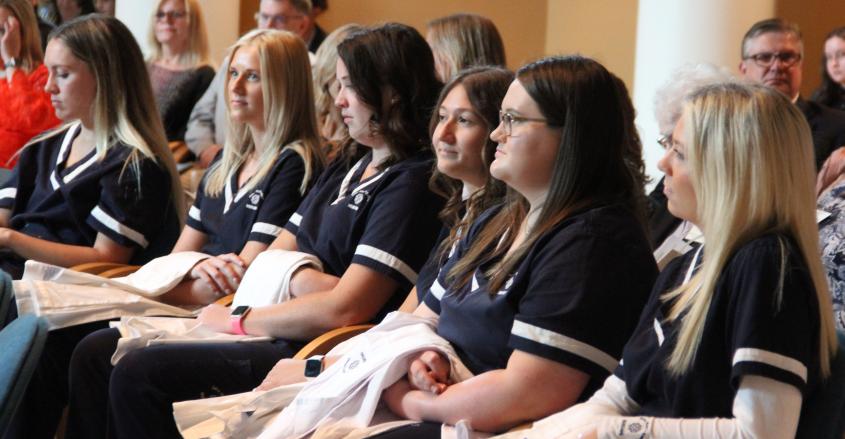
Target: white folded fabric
[(342, 402), (267, 281), (65, 297), (139, 332)]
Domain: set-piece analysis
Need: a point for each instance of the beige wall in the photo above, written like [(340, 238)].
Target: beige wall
[(602, 29), (521, 23)]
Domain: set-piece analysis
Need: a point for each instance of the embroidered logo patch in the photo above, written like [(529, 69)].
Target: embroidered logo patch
[(358, 199), (254, 199)]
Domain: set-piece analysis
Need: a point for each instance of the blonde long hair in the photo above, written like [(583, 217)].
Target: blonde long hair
[(196, 53), (465, 40), (31, 54), (289, 116), (751, 163), (124, 109)]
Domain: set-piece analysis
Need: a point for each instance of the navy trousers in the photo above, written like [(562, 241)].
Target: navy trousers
[(134, 398)]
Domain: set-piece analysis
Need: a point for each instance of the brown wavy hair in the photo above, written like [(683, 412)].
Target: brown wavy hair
[(392, 69), (485, 87)]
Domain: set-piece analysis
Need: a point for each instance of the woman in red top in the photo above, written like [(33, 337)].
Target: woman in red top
[(26, 109)]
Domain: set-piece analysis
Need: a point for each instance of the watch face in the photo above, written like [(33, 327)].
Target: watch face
[(313, 367), (240, 310)]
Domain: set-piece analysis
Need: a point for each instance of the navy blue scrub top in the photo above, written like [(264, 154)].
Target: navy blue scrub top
[(237, 216), (72, 204), (387, 222), (749, 331), (575, 297)]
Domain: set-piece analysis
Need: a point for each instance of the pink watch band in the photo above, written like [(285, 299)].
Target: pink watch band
[(237, 323)]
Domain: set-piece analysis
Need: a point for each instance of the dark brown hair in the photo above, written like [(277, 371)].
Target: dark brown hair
[(598, 160), (829, 92), (392, 70)]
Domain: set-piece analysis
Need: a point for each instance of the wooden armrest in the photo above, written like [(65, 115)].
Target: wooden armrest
[(175, 144), (225, 300), (324, 343), (180, 151), (120, 271), (96, 267)]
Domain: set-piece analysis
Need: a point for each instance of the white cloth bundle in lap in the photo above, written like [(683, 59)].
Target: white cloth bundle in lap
[(139, 332), (65, 297), (342, 400), (266, 282)]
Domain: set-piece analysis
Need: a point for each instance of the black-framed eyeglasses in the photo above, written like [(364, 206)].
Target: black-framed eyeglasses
[(507, 119), (276, 20), (766, 59), (170, 15)]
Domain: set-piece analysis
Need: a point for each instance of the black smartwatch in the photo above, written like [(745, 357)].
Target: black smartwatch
[(313, 366)]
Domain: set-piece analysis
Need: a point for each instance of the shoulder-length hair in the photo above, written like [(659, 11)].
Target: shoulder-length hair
[(124, 109), (289, 116), (196, 52), (31, 54), (750, 157), (392, 69), (465, 40), (829, 91), (485, 87), (332, 128), (599, 159)]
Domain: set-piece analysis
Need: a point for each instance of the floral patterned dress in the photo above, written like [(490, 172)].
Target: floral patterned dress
[(832, 243)]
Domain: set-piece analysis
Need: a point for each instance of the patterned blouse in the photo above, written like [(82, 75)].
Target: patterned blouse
[(832, 243)]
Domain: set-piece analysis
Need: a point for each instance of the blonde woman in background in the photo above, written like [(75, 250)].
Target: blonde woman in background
[(737, 336), (178, 64), (464, 40), (26, 109), (332, 128)]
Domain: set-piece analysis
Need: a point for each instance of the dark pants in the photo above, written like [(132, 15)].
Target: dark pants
[(47, 393), (423, 430), (134, 398)]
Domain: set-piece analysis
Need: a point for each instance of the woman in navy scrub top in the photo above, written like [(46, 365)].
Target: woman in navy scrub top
[(271, 158), (465, 114), (370, 219), (737, 335), (537, 296), (268, 162), (103, 187)]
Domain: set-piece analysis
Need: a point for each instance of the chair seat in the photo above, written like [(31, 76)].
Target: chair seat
[(22, 342)]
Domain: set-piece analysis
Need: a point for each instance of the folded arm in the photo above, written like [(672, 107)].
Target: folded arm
[(529, 388)]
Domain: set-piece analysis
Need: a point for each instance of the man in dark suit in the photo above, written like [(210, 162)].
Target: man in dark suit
[(772, 52), (314, 33)]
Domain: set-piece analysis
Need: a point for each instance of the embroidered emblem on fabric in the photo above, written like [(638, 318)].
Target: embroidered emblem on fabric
[(254, 199), (358, 199)]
